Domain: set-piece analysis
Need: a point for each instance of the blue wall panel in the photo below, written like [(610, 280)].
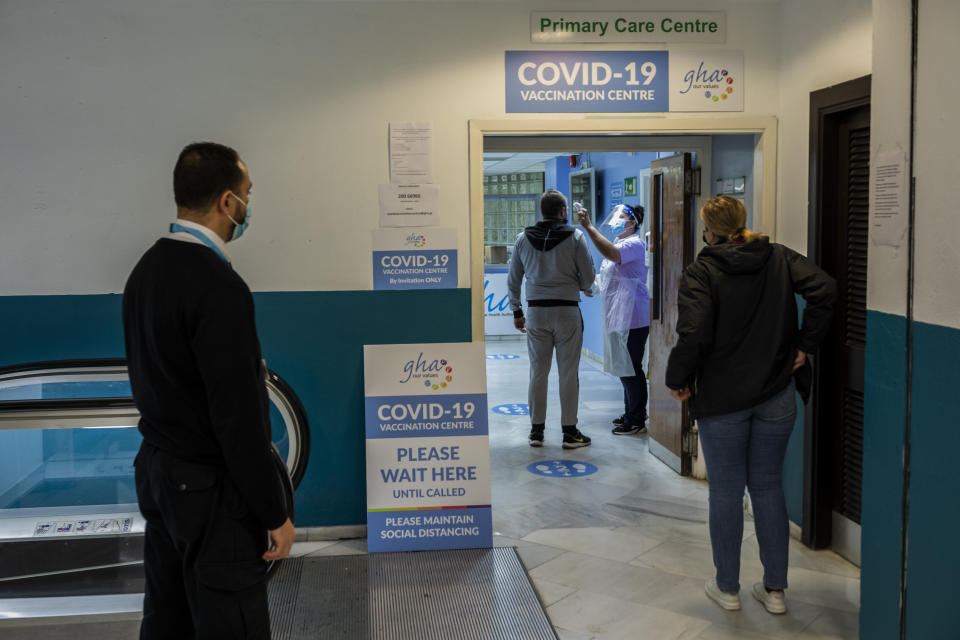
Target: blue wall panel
[(37, 328), (315, 341), (312, 339), (610, 167), (933, 561), (884, 418)]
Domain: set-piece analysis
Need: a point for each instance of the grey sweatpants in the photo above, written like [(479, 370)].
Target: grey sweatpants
[(550, 328)]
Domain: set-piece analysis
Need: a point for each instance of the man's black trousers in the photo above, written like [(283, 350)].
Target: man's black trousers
[(205, 577)]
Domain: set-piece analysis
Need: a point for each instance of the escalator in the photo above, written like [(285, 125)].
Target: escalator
[(69, 523)]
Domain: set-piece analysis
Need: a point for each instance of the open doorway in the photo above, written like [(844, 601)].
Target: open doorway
[(600, 181), (609, 509), (601, 171)]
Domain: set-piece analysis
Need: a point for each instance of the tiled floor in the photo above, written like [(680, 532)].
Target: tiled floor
[(624, 553)]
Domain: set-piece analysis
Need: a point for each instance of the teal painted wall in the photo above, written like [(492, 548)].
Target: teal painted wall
[(36, 328), (793, 460), (793, 468), (315, 341), (885, 393), (312, 339), (933, 560)]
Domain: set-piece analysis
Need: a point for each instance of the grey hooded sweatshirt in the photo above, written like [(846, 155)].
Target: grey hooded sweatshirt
[(556, 261)]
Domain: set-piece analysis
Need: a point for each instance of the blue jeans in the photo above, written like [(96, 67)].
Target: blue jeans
[(746, 449)]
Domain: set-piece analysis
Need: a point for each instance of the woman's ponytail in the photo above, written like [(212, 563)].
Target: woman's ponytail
[(726, 217)]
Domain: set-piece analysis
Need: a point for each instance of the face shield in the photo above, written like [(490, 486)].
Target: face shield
[(621, 218)]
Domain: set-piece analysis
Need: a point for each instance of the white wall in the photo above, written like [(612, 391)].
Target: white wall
[(822, 43), (98, 96), (936, 149), (889, 133), (937, 138)]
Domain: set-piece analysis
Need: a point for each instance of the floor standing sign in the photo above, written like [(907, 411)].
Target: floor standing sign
[(428, 452)]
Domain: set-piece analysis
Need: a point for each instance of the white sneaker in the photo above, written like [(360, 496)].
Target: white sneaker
[(728, 601), (772, 601)]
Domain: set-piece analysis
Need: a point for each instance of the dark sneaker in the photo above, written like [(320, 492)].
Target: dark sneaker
[(574, 440), (536, 437), (628, 430), (619, 421)]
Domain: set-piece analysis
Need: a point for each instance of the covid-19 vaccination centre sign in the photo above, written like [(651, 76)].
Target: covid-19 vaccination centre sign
[(623, 81), (428, 451), (414, 258)]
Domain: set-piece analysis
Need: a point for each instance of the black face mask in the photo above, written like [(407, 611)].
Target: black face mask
[(704, 237)]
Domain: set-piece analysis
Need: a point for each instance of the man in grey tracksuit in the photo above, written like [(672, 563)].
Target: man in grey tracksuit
[(556, 262)]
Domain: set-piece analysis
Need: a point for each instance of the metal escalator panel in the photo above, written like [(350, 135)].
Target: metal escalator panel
[(69, 521)]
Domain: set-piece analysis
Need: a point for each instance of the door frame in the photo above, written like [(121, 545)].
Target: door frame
[(621, 131), (818, 521)]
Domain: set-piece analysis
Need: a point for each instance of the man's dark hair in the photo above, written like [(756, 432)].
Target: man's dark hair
[(552, 203), (204, 170)]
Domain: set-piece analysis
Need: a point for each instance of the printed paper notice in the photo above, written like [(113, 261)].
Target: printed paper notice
[(408, 205), (888, 213), (411, 152)]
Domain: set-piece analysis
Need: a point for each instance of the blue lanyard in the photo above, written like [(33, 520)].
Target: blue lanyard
[(174, 227)]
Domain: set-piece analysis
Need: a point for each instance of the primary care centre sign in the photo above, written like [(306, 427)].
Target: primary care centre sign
[(555, 27), (428, 452)]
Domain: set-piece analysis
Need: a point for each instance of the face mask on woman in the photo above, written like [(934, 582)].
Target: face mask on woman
[(621, 222)]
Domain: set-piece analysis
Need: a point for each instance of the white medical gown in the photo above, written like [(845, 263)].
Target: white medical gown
[(625, 302)]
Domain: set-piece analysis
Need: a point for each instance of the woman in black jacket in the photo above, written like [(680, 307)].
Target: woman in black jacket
[(738, 346)]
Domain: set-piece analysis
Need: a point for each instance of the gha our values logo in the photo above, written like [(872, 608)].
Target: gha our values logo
[(715, 84), (418, 240), (434, 374)]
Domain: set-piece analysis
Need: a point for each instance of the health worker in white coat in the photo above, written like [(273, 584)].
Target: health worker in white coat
[(622, 284)]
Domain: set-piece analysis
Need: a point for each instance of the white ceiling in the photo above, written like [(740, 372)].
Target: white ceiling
[(497, 162)]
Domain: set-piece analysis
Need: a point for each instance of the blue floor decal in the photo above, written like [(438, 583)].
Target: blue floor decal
[(517, 409), (561, 468)]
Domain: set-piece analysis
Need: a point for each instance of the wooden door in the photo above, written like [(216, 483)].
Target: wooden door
[(840, 145), (670, 248)]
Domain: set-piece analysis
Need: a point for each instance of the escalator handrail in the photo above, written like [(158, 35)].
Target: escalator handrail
[(64, 404), (81, 366), (78, 367)]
